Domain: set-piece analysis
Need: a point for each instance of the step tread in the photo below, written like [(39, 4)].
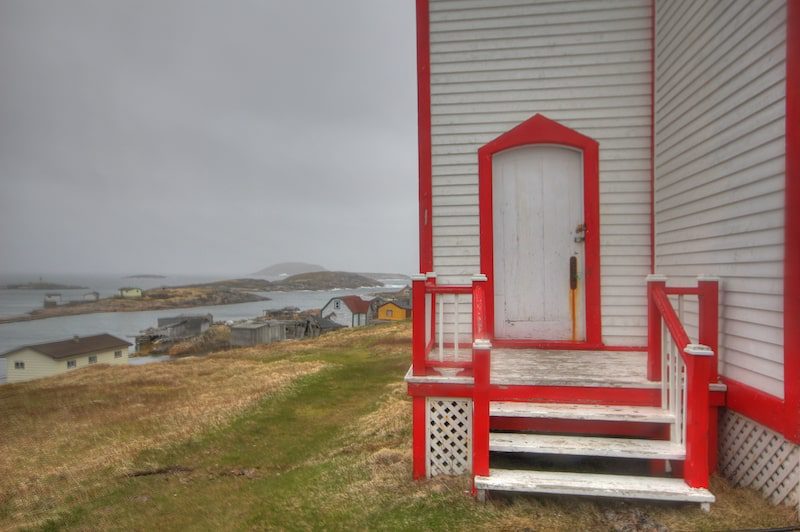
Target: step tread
[(585, 446), (621, 486), (639, 414)]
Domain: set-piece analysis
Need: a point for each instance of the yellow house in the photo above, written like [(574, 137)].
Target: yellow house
[(29, 362), (394, 311), (130, 292)]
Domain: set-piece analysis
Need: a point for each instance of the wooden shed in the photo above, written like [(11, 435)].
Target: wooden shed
[(256, 333), (394, 311), (609, 243)]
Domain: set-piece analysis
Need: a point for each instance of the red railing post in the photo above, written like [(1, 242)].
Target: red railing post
[(654, 282), (481, 370), (698, 365), (708, 334), (418, 325), (481, 360), (479, 307)]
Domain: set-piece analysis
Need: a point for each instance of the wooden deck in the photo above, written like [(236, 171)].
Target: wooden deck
[(541, 367)]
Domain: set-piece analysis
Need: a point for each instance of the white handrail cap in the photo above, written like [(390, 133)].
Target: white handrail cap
[(431, 275), (698, 350), (656, 277), (480, 277), (481, 344), (418, 277)]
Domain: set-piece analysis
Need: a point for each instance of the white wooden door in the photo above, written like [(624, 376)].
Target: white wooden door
[(537, 210)]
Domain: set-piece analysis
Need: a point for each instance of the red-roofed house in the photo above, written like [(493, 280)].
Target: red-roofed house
[(350, 311)]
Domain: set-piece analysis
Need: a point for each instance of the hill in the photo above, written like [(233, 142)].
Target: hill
[(324, 281), (287, 269)]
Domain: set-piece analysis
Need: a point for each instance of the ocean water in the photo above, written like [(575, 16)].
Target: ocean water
[(127, 325)]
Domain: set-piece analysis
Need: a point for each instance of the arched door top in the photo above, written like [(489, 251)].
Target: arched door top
[(541, 130)]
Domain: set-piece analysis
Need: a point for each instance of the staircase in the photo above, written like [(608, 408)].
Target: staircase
[(597, 485)]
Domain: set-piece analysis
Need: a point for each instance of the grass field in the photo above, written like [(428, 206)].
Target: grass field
[(299, 435)]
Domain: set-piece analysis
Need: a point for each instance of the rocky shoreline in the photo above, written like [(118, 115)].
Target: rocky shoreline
[(154, 299)]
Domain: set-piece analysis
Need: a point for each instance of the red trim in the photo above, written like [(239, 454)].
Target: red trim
[(755, 404), (791, 264), (418, 438), (569, 426), (424, 138), (652, 136), (541, 130)]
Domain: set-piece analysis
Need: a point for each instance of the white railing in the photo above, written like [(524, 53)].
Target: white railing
[(442, 332), (673, 385)]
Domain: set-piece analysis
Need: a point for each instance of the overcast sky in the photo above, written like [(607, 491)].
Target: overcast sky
[(189, 136)]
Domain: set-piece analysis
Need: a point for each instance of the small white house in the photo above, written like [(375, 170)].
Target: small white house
[(130, 292), (30, 362), (91, 296), (349, 311)]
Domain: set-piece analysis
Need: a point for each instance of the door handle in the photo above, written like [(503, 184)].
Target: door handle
[(580, 233)]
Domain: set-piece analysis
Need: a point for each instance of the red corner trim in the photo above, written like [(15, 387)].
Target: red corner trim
[(652, 136), (541, 130), (791, 276), (424, 137), (755, 404)]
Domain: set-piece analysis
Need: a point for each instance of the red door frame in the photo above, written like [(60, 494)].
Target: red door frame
[(541, 130)]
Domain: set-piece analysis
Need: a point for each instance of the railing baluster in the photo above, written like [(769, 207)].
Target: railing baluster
[(440, 326), (455, 325), (684, 401)]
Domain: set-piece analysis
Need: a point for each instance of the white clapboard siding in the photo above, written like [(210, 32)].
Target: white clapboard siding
[(583, 63), (720, 104)]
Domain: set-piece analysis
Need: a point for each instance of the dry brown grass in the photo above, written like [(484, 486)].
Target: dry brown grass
[(59, 433)]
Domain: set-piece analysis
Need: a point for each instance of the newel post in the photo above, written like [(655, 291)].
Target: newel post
[(708, 333), (481, 353), (418, 324), (654, 282), (698, 367), (479, 306)]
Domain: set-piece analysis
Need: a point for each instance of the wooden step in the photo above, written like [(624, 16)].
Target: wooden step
[(585, 446), (593, 485), (638, 414)]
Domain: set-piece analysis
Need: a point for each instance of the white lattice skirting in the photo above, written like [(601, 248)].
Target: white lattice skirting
[(449, 436), (754, 456)]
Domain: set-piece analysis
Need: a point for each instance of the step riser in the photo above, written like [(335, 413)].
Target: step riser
[(585, 446), (656, 431), (626, 414)]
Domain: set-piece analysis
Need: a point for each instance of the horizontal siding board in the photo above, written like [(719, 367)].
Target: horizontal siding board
[(584, 64), (719, 193)]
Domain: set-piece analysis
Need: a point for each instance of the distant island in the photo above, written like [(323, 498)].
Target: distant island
[(283, 270), (145, 276), (40, 285), (321, 280), (153, 299), (205, 294)]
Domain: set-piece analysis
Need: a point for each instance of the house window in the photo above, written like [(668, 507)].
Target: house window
[(389, 313), (93, 359), (117, 354), (19, 365), (337, 304), (72, 364)]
